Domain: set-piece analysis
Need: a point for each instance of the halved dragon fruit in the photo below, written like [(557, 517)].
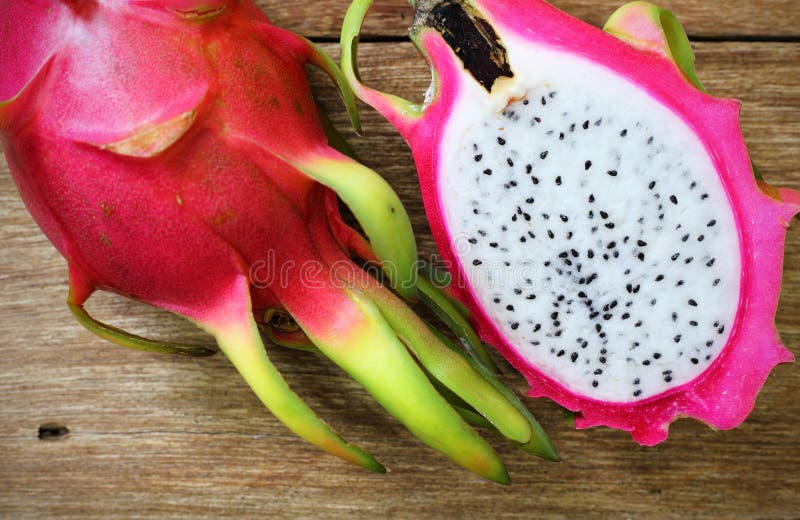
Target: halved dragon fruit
[(598, 209), (172, 152)]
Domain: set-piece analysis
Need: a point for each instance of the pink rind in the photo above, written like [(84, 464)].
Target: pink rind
[(724, 395)]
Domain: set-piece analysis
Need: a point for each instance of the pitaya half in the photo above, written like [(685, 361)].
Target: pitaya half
[(598, 210), (172, 152)]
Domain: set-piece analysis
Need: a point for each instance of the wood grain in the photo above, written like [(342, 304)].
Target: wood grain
[(390, 18), (154, 435)]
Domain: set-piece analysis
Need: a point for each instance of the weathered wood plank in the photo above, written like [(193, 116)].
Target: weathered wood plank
[(761, 18), (160, 436)]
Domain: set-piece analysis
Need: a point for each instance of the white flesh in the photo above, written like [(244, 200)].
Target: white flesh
[(654, 338)]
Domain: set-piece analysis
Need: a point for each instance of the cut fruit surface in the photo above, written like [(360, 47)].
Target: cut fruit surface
[(598, 209)]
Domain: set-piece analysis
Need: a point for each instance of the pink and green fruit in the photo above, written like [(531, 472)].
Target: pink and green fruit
[(172, 152), (597, 208)]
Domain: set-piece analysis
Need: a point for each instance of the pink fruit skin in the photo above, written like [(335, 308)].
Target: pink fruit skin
[(172, 152), (175, 232), (725, 394)]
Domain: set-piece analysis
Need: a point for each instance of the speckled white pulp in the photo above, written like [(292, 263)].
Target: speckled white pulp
[(592, 227)]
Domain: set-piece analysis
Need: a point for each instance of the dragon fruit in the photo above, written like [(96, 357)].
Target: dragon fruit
[(597, 208), (172, 152)]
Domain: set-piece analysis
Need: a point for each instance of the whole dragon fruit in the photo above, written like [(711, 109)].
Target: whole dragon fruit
[(598, 209), (172, 152)]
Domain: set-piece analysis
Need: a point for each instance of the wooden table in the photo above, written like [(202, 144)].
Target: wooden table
[(169, 437)]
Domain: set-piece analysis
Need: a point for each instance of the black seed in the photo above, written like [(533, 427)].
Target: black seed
[(590, 253), (695, 361), (526, 102), (712, 223), (531, 297), (637, 393), (564, 218), (561, 136), (710, 263), (586, 125), (598, 372), (612, 173), (659, 277), (587, 165), (510, 308), (610, 225), (534, 180), (574, 357), (561, 353), (685, 237), (673, 199), (704, 196), (514, 326), (652, 184), (510, 162), (529, 200), (523, 239), (501, 141), (675, 256), (674, 316), (478, 157), (640, 256), (537, 327), (668, 379), (721, 329), (611, 245), (646, 362), (657, 356), (558, 181), (476, 262), (545, 216), (701, 238), (487, 171), (693, 323), (626, 316), (595, 384), (624, 133), (572, 127), (473, 240), (604, 214), (637, 324), (716, 282), (693, 303), (543, 155), (493, 244), (607, 316), (677, 339), (551, 234), (591, 198), (650, 140), (496, 300)]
